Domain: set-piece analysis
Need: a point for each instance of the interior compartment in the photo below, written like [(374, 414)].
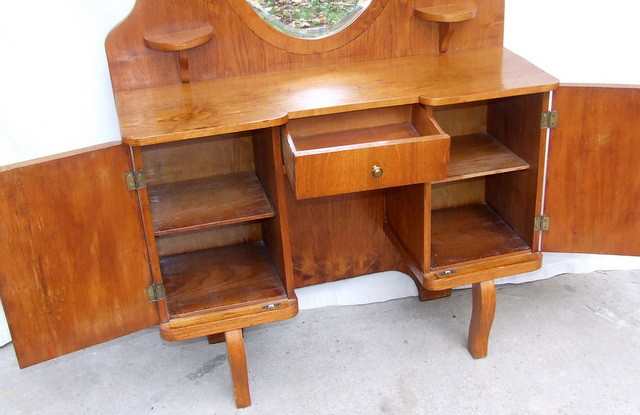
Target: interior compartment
[(211, 206), (486, 206), (364, 150), (483, 211)]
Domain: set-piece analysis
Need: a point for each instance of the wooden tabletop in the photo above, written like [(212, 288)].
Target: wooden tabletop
[(199, 109)]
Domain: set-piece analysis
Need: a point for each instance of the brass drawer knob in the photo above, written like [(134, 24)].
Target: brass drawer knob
[(377, 171)]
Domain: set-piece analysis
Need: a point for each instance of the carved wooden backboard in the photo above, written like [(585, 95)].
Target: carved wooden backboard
[(243, 44)]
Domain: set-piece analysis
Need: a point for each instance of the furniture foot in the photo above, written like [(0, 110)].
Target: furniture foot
[(426, 295), (216, 338), (484, 309), (238, 363), (423, 293)]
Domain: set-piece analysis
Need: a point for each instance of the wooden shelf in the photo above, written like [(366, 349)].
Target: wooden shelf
[(181, 42), (476, 155), (469, 233), (177, 41), (208, 202), (219, 279), (445, 15)]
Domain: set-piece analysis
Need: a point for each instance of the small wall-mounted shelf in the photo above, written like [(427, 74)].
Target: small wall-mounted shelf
[(445, 15), (180, 42)]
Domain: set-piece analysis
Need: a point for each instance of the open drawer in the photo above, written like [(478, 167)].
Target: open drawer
[(364, 150)]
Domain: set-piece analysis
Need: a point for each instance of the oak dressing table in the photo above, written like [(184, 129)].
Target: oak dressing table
[(253, 163)]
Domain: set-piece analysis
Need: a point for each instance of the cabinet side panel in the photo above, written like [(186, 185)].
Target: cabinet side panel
[(515, 122), (408, 214), (270, 170), (73, 260), (593, 184)]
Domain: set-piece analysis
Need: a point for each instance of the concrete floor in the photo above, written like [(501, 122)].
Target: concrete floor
[(567, 345)]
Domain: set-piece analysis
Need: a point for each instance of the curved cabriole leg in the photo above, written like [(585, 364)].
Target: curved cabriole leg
[(238, 363), (484, 309)]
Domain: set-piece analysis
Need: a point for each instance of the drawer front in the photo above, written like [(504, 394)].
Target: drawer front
[(367, 167)]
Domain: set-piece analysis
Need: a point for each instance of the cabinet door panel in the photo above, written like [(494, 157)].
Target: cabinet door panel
[(73, 261), (593, 181)]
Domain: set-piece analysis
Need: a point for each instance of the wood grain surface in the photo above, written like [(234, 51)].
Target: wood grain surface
[(593, 181), (245, 45), (217, 106), (74, 262)]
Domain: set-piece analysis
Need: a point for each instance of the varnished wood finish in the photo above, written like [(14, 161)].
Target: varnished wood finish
[(215, 338), (204, 281), (462, 119), (203, 324), (482, 314), (270, 170), (323, 243), (74, 263), (457, 193), (517, 197), (446, 15), (469, 273), (324, 115), (200, 109), (197, 159), (179, 40), (479, 155), (223, 289), (228, 236), (238, 365), (408, 146), (207, 238), (446, 30), (593, 185), (236, 49), (203, 203), (456, 12), (469, 233), (147, 225), (408, 213)]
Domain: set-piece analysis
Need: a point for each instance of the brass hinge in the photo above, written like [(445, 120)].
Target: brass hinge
[(549, 119), (541, 223), (135, 180), (155, 292)]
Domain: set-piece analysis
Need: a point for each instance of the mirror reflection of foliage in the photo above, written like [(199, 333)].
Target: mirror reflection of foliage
[(309, 14)]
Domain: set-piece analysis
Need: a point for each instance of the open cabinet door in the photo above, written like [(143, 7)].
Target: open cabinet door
[(73, 260), (593, 181)]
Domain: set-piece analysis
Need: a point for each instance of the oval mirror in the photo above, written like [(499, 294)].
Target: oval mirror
[(308, 26), (309, 19)]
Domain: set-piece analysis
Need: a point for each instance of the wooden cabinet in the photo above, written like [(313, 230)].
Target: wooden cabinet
[(217, 232), (481, 216), (250, 179)]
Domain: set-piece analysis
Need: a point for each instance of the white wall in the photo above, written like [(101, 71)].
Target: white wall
[(55, 94), (577, 41)]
